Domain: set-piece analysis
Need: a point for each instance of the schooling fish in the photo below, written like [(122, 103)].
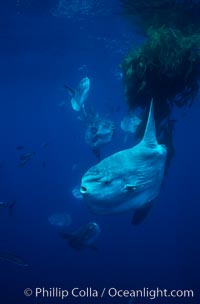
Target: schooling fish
[(128, 179)]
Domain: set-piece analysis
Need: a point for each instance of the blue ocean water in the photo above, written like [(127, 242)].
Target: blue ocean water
[(40, 52)]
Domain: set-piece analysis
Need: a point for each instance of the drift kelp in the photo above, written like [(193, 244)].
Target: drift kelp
[(166, 67)]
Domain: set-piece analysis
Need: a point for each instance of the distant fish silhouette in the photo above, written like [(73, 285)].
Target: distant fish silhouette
[(12, 258), (27, 156), (83, 237)]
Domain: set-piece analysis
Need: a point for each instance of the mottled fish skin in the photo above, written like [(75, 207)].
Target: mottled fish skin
[(128, 179)]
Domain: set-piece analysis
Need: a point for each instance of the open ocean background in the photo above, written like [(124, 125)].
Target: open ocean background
[(40, 52)]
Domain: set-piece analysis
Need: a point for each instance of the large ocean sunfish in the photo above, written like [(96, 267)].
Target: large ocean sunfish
[(80, 94), (128, 179)]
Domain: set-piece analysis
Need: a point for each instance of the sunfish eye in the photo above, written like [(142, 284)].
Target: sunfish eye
[(103, 180)]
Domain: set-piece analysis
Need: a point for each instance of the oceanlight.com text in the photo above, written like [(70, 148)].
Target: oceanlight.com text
[(112, 292)]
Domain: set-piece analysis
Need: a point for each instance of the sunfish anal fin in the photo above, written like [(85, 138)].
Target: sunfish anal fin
[(141, 213), (149, 138)]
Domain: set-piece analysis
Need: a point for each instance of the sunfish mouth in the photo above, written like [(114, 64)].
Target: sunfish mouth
[(83, 190)]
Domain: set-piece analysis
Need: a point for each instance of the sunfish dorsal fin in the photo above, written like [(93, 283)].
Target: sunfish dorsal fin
[(149, 137)]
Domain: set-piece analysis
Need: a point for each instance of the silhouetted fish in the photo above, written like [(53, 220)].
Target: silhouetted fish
[(83, 237), (27, 156), (12, 258)]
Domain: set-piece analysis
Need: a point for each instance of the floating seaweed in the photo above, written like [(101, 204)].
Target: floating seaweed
[(166, 68)]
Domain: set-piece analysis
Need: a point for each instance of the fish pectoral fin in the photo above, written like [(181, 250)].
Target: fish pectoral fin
[(141, 213), (130, 187), (71, 91)]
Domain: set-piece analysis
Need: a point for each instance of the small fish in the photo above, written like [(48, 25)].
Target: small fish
[(83, 237), (22, 163), (14, 259), (27, 156), (44, 164)]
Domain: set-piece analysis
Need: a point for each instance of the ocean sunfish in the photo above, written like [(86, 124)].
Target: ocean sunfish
[(80, 94), (128, 179)]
